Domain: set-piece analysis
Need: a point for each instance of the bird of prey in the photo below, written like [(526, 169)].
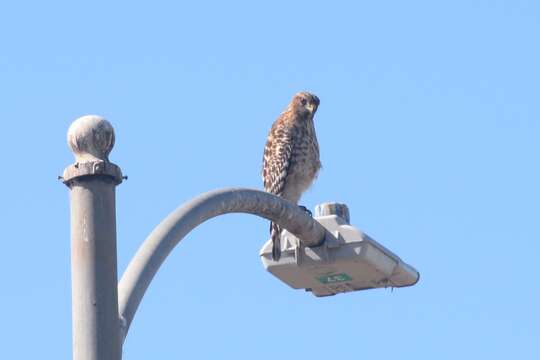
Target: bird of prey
[(291, 156)]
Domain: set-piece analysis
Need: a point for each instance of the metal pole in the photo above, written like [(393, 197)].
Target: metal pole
[(92, 181), (180, 222)]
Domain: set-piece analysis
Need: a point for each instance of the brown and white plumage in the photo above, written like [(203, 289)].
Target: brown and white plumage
[(291, 155)]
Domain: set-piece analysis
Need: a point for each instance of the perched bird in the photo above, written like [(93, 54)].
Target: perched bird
[(291, 156)]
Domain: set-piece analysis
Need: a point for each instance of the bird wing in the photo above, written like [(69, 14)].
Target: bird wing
[(277, 158)]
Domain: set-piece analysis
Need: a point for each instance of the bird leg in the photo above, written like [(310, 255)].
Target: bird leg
[(306, 210)]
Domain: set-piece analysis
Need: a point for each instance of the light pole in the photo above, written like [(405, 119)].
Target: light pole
[(92, 180), (99, 328), (324, 255)]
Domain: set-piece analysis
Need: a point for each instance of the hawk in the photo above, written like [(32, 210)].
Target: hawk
[(291, 156)]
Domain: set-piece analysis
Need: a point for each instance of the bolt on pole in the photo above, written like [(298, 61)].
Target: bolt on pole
[(92, 180)]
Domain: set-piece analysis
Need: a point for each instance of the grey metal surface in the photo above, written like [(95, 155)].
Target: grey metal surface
[(93, 270), (180, 222), (333, 208), (349, 260), (92, 181)]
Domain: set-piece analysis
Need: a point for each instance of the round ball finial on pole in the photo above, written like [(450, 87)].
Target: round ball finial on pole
[(91, 139)]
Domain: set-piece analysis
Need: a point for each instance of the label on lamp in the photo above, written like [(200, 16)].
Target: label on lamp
[(334, 278)]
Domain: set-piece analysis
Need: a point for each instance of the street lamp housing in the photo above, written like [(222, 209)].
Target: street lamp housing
[(348, 260)]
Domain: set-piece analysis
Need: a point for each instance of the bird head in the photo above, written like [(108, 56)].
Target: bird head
[(305, 103)]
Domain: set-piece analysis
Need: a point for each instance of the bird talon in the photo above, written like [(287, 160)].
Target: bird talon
[(306, 210)]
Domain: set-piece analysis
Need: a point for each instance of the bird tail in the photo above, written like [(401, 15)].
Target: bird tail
[(275, 235)]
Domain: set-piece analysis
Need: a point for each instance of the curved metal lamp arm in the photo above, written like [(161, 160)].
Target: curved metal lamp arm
[(180, 222)]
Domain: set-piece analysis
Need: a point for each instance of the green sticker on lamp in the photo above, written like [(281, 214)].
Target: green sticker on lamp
[(334, 278)]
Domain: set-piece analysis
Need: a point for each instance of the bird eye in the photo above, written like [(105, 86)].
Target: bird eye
[(303, 102)]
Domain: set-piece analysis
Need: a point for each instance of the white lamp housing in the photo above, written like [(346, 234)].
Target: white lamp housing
[(348, 260)]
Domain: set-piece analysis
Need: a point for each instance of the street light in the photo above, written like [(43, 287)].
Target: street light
[(348, 260), (102, 311)]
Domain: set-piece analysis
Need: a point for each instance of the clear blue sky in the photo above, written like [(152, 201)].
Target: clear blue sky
[(429, 130)]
